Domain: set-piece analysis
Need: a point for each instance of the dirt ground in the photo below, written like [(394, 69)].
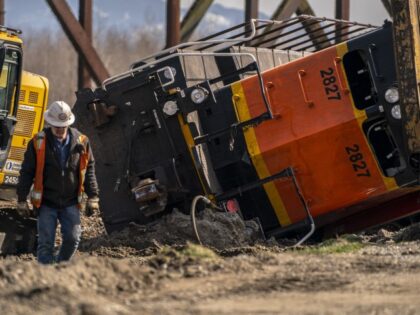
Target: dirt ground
[(156, 269)]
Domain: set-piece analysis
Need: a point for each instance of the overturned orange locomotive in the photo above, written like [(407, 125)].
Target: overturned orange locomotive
[(295, 123)]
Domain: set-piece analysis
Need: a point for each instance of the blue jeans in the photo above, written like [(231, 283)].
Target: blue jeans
[(69, 219)]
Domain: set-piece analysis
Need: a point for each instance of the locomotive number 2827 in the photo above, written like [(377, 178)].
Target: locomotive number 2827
[(357, 160), (330, 84)]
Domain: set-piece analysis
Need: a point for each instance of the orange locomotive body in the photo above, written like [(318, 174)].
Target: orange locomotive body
[(316, 129), (332, 125), (315, 141)]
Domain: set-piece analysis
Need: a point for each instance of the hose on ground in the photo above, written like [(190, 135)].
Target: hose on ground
[(309, 234), (193, 211), (211, 204)]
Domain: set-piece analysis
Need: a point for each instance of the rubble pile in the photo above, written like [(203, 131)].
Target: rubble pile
[(218, 230)]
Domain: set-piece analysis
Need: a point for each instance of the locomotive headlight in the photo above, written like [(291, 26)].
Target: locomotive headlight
[(391, 95), (170, 108), (199, 95), (169, 73), (396, 111)]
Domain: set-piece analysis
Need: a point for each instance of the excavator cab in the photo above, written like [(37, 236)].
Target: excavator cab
[(23, 99), (11, 66)]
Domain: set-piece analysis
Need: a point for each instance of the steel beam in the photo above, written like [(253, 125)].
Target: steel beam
[(283, 11), (387, 6), (342, 12), (319, 39), (286, 9), (251, 10), (79, 39), (342, 9), (2, 12), (193, 17), (172, 22), (85, 20), (305, 8)]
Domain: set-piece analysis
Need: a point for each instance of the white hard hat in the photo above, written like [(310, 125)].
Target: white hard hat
[(59, 114)]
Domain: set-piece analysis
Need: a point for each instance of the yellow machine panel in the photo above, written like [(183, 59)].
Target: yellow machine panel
[(33, 100)]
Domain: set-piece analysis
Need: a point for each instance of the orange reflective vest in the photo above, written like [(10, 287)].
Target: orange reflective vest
[(39, 145)]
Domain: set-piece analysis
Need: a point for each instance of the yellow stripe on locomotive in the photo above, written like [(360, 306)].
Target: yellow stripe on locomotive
[(320, 131)]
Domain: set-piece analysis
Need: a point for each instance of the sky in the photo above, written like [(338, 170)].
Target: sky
[(37, 12), (365, 11)]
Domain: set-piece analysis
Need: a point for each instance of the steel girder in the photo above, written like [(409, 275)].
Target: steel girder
[(193, 18), (79, 39)]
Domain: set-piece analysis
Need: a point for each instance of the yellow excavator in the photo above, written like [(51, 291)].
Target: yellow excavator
[(23, 99)]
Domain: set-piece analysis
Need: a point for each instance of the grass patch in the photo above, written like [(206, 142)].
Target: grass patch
[(198, 251), (190, 250), (335, 246), (180, 258)]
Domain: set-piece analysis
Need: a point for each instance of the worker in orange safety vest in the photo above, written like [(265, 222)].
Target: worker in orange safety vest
[(59, 167)]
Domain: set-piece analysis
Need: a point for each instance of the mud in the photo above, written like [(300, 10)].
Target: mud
[(216, 230), (157, 269)]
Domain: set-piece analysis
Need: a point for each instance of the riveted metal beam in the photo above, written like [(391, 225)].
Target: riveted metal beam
[(193, 17), (173, 9), (85, 20), (79, 39), (251, 10), (405, 15)]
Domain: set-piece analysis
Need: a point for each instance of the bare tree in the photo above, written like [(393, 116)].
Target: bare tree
[(51, 54)]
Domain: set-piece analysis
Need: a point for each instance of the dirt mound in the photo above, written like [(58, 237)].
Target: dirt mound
[(92, 226), (191, 279), (166, 274), (85, 286), (388, 234), (218, 230), (410, 233)]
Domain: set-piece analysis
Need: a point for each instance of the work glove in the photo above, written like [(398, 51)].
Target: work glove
[(23, 209), (92, 206)]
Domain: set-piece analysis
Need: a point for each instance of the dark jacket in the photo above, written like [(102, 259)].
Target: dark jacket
[(60, 185)]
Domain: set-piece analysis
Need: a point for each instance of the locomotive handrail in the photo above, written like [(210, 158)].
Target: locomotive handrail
[(172, 49), (283, 24), (309, 102), (372, 48), (212, 41), (337, 62), (233, 39), (260, 80), (172, 77)]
